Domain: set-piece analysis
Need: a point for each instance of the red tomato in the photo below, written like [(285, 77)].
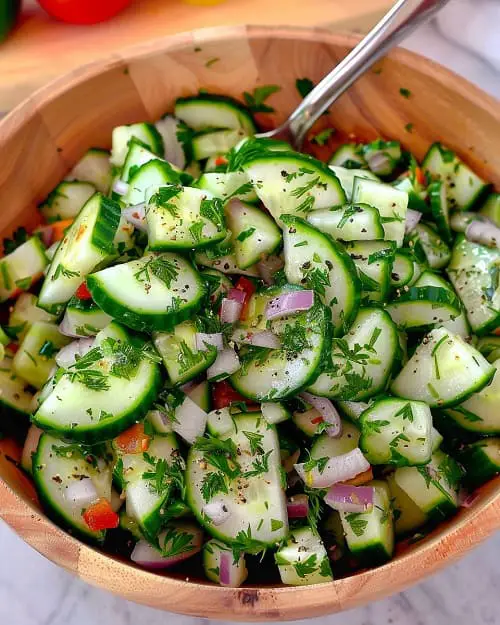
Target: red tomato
[(248, 287), (134, 440), (101, 516), (88, 12), (223, 395), (82, 292)]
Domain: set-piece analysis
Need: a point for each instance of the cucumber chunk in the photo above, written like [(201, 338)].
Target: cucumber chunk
[(423, 306), (93, 167), (481, 460), (209, 110), (347, 176), (440, 210), (303, 560), (25, 313), (373, 261), (15, 398), (327, 447), (84, 317), (154, 173), (436, 251), (66, 200), (402, 270), (174, 133), (212, 552), (21, 268), (233, 184), (352, 222), (349, 156), (491, 208), (144, 133), (213, 142), (408, 517)]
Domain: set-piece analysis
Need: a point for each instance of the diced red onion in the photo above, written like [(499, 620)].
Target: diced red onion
[(237, 294), (159, 420), (65, 328), (225, 564), (467, 500), (378, 162), (257, 338), (67, 355), (461, 219), (485, 233), (81, 493), (185, 388), (412, 219), (217, 512), (215, 340), (328, 411), (30, 446), (120, 187), (149, 557), (337, 469), (47, 234), (231, 573), (226, 363), (298, 507), (230, 310), (136, 215), (190, 421), (289, 303), (268, 267), (346, 498)]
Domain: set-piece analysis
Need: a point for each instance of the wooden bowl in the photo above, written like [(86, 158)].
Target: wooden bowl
[(42, 139)]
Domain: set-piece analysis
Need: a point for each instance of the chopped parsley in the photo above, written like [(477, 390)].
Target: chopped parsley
[(213, 483), (304, 86), (244, 234), (305, 567), (357, 524), (322, 137), (48, 349), (406, 93), (245, 543), (255, 441), (163, 476), (256, 101), (176, 542), (19, 237)]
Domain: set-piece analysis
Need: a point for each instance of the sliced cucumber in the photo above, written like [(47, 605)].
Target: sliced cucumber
[(423, 306), (21, 268), (491, 208), (303, 560), (481, 460), (233, 184), (408, 517), (15, 398), (87, 244), (212, 551), (137, 155), (254, 234), (220, 422), (25, 313), (352, 409), (143, 133), (66, 200), (183, 218), (349, 156), (153, 293), (347, 176), (443, 371), (200, 394), (93, 167), (58, 467), (254, 498), (370, 535), (84, 317), (440, 210), (275, 412), (154, 173), (373, 261), (382, 157), (436, 251), (213, 142), (402, 270), (363, 360), (327, 447), (391, 203), (270, 375), (223, 259), (394, 431), (314, 260), (352, 222), (473, 271), (292, 184), (209, 110)]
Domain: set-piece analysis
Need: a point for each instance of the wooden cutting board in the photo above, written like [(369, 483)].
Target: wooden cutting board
[(41, 49)]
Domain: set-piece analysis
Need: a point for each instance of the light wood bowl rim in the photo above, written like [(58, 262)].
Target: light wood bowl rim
[(252, 603)]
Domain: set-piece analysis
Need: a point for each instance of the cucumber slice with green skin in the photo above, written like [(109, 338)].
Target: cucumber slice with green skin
[(464, 188), (200, 394), (480, 412), (356, 373), (440, 210), (436, 251), (84, 317), (408, 517), (228, 185), (308, 422), (137, 155), (373, 261), (352, 222), (160, 422), (144, 503), (391, 203), (314, 260), (4, 338), (481, 461), (220, 422), (57, 467), (370, 535), (15, 398), (491, 208), (209, 110), (212, 551), (225, 263), (352, 409), (349, 156), (402, 270), (275, 412), (281, 373), (21, 268), (129, 525), (417, 193), (88, 405), (183, 218), (436, 439), (473, 272), (66, 200), (382, 157), (93, 167), (433, 487), (177, 151), (212, 142), (155, 292), (25, 313), (35, 358), (254, 233), (398, 432), (327, 447), (347, 176), (154, 173), (182, 360), (458, 325), (424, 306), (258, 510), (293, 184), (303, 560), (87, 244), (443, 371), (143, 133), (487, 345)]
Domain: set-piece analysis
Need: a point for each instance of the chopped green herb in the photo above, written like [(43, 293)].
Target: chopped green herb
[(304, 86), (255, 441), (245, 234), (213, 483), (255, 101), (48, 349), (357, 524), (305, 567), (211, 61), (322, 137), (406, 93)]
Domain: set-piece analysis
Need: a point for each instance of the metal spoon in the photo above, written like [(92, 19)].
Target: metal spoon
[(404, 17)]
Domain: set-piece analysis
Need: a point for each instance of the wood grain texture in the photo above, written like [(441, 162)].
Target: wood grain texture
[(43, 137), (40, 49)]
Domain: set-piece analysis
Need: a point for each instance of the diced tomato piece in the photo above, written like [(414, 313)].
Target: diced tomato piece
[(101, 516), (134, 440), (59, 229), (82, 292), (497, 331), (420, 176), (317, 420), (223, 395), (248, 287), (221, 160), (13, 347)]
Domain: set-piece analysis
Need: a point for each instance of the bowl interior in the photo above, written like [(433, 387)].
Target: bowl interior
[(46, 135)]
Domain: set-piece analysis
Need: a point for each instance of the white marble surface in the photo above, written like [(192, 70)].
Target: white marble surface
[(33, 591)]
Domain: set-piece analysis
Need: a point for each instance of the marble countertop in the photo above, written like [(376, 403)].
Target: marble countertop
[(33, 591)]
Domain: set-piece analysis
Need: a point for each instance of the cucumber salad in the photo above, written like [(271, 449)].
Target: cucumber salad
[(219, 350)]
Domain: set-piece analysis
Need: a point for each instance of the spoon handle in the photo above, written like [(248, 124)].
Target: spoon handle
[(399, 22)]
